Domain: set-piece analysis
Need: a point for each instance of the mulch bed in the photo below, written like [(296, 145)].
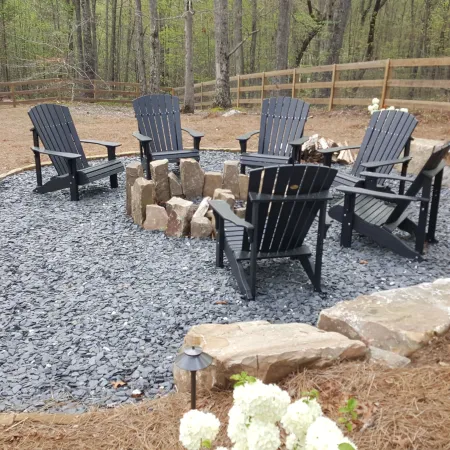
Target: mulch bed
[(399, 409)]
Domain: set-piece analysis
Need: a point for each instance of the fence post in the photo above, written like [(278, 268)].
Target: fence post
[(294, 75), (262, 86), (333, 79), (237, 91), (387, 76), (13, 96)]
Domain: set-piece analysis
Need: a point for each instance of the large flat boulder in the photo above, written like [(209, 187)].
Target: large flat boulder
[(269, 352), (399, 320), (192, 178), (160, 175)]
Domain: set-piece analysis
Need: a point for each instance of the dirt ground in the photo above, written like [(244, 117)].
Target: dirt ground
[(398, 409), (116, 123)]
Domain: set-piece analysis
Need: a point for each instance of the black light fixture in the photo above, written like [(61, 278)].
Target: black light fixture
[(192, 360)]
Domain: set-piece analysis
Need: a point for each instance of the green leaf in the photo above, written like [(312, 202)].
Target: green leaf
[(206, 443), (235, 377), (352, 403), (342, 420), (346, 446), (343, 409), (349, 426)]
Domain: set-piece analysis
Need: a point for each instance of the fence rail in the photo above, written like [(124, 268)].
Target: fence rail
[(418, 83), (57, 89), (421, 83)]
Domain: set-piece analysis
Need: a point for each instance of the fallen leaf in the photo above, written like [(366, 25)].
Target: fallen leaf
[(363, 261), (118, 383), (221, 302), (137, 393)]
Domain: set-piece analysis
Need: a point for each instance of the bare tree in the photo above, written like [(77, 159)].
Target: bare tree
[(282, 45), (239, 56), (338, 11), (371, 36), (189, 103), (112, 51), (79, 32), (88, 46), (140, 56), (222, 97), (155, 51), (254, 37)]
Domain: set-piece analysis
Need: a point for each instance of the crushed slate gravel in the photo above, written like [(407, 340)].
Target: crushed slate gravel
[(88, 298)]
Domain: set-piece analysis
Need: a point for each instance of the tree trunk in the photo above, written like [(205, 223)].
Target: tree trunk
[(89, 61), (140, 56), (254, 36), (155, 50), (94, 34), (81, 64), (130, 33), (339, 17), (282, 45), (189, 54), (239, 54), (70, 64), (112, 51), (222, 96), (107, 41), (371, 36)]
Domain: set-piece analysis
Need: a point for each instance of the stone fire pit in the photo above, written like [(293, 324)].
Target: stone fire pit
[(178, 205)]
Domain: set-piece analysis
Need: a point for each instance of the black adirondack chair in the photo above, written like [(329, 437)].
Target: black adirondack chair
[(377, 214), (282, 203), (54, 127), (159, 135), (280, 135), (388, 134)]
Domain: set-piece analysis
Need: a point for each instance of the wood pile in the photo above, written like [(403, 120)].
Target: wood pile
[(311, 147)]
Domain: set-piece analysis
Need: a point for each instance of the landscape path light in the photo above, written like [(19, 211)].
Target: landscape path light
[(193, 359)]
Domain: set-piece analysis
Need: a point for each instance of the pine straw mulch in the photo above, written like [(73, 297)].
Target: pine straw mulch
[(401, 409)]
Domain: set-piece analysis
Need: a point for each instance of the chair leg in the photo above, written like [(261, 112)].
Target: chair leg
[(434, 207), (37, 161), (254, 248), (308, 267), (423, 216), (111, 157), (319, 246), (347, 220), (73, 183), (220, 240)]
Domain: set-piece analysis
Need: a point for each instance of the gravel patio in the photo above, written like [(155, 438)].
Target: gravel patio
[(89, 298)]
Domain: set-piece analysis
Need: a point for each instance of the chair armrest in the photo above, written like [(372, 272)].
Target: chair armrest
[(299, 141), (266, 198), (193, 133), (247, 136), (386, 176), (376, 164), (222, 208), (324, 151), (393, 198), (104, 143), (52, 153), (141, 137)]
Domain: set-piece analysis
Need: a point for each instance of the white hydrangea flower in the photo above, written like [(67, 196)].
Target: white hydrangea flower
[(324, 434), (240, 446), (404, 110), (370, 108), (375, 107), (391, 108), (237, 426), (263, 436), (294, 443), (375, 101), (264, 402), (221, 448), (197, 426), (300, 416)]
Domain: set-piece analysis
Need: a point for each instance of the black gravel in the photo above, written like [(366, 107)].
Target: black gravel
[(88, 298)]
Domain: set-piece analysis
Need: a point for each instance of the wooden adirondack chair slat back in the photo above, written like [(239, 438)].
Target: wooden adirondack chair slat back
[(282, 120), (57, 132), (386, 136), (436, 158), (283, 226), (158, 117)]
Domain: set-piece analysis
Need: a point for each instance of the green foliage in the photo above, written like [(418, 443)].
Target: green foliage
[(207, 444), (346, 446), (349, 414), (242, 378), (311, 395)]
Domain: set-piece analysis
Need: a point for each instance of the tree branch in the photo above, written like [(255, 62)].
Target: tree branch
[(241, 43)]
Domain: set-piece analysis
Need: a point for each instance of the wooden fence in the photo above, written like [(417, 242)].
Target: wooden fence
[(421, 83), (58, 89)]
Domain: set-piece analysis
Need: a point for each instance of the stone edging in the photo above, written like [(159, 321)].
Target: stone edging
[(94, 157)]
